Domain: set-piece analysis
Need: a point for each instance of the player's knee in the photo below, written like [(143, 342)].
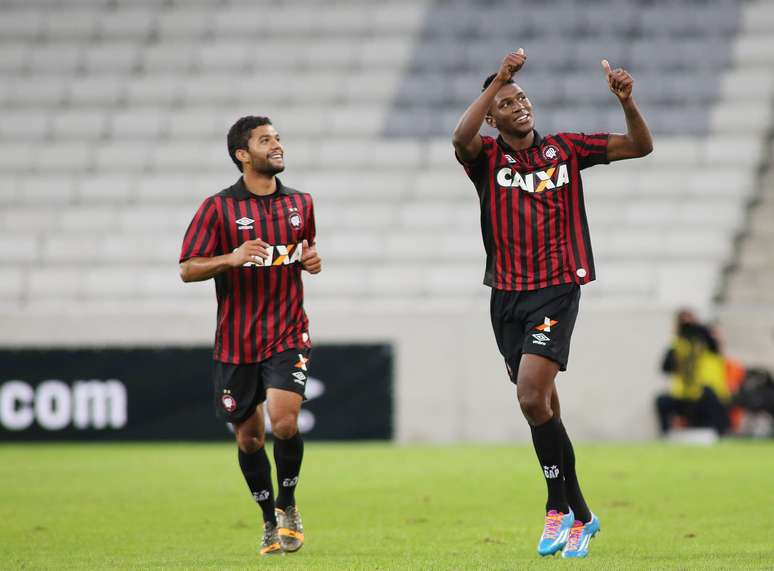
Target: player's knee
[(249, 442), (535, 407), (285, 427)]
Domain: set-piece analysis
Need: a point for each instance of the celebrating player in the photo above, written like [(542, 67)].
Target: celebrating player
[(538, 254), (254, 238)]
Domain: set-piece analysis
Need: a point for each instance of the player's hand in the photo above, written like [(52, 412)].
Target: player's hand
[(252, 252), (619, 81), (310, 259), (512, 63)]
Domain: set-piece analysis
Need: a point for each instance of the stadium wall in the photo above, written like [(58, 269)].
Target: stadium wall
[(450, 381)]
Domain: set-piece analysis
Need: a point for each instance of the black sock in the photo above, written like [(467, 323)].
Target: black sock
[(287, 456), (548, 439), (571, 486), (257, 472)]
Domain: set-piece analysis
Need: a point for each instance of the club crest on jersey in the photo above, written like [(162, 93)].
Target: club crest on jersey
[(550, 153), (536, 181), (295, 220)]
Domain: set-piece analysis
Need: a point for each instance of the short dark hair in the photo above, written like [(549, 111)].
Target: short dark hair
[(490, 79), (239, 135)]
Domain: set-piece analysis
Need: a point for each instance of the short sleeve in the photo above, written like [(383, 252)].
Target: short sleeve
[(477, 166), (311, 228), (201, 238), (590, 149)]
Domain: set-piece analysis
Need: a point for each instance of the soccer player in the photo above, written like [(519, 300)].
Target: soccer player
[(538, 253), (254, 238)]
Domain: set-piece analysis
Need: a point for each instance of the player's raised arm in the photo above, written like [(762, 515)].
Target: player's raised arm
[(637, 142), (466, 138)]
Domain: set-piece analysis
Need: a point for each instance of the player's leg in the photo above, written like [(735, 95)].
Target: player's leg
[(586, 524), (534, 390), (284, 407), (254, 462), (238, 394), (572, 488), (285, 379), (548, 319)]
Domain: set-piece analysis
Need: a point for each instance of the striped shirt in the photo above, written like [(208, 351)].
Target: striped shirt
[(533, 217), (260, 307)]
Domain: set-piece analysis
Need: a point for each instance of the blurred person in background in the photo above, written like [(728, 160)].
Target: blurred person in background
[(699, 395)]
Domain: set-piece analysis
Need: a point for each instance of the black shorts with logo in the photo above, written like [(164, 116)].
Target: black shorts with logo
[(538, 322), (241, 388)]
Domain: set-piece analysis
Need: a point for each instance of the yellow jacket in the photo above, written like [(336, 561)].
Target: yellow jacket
[(697, 367)]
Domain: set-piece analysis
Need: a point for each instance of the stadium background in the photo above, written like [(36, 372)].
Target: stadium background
[(112, 131)]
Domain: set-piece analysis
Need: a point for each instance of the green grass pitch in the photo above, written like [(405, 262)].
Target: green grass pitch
[(381, 506)]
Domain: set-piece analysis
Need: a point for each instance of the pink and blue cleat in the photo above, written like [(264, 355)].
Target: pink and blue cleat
[(580, 537), (556, 532)]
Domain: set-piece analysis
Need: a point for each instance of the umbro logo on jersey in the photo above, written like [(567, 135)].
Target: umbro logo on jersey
[(546, 325), (537, 181), (245, 223)]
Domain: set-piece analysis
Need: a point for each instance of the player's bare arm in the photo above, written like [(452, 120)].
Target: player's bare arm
[(466, 138), (637, 142), (310, 259), (202, 268)]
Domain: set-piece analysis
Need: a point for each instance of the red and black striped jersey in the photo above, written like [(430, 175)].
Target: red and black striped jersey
[(533, 217), (260, 307)]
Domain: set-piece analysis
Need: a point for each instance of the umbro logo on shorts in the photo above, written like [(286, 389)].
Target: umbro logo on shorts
[(299, 377), (540, 338)]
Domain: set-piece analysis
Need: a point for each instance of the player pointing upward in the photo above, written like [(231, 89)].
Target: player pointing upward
[(538, 253)]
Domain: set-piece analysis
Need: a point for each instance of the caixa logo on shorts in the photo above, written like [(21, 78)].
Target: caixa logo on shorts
[(279, 255)]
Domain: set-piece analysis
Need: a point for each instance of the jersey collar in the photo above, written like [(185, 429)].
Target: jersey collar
[(240, 192), (506, 147)]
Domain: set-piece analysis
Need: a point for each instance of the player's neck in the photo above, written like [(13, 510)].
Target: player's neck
[(260, 184), (519, 143)]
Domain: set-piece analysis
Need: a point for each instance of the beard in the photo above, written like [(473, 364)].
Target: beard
[(266, 168)]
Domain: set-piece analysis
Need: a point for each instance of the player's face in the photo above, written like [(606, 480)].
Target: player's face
[(511, 111), (265, 150)]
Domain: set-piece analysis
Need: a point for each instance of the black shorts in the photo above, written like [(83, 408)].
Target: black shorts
[(539, 322), (241, 388)]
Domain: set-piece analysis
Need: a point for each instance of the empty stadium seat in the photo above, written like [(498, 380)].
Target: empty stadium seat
[(131, 104)]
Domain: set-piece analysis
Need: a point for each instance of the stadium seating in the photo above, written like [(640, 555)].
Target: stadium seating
[(114, 116)]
